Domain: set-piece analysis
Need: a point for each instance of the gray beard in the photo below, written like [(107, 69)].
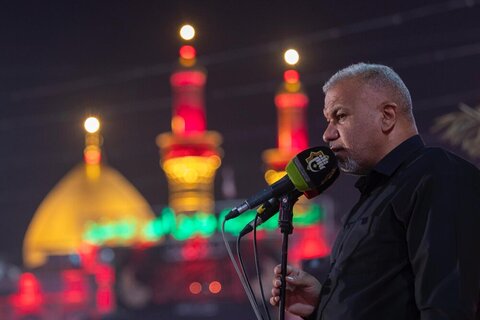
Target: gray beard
[(351, 166)]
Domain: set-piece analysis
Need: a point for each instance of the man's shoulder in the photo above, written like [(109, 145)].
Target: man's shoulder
[(438, 161), (439, 172), (442, 157)]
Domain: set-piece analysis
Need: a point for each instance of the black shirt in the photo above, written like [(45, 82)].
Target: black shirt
[(410, 248)]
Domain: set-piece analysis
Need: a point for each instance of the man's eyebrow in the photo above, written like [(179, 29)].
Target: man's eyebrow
[(333, 110)]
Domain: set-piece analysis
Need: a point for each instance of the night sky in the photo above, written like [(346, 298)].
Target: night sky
[(63, 60)]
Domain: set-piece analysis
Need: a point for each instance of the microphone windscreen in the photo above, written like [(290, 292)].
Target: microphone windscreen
[(313, 169)]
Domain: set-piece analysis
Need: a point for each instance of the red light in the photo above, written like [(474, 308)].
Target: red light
[(195, 287), (29, 297), (187, 52), (88, 255), (313, 243), (195, 248), (184, 78), (105, 302), (293, 139), (104, 275), (75, 287), (184, 151), (289, 100), (215, 287), (193, 117), (92, 156), (105, 278), (291, 76), (189, 111)]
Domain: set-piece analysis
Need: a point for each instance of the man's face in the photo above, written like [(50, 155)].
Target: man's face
[(353, 131)]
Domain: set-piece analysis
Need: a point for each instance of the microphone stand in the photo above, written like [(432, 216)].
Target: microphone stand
[(286, 227)]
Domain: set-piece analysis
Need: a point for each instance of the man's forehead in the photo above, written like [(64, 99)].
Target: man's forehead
[(333, 100), (342, 92)]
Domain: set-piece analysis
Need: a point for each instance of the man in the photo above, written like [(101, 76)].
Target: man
[(410, 247)]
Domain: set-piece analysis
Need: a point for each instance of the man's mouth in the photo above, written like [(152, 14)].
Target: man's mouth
[(336, 149)]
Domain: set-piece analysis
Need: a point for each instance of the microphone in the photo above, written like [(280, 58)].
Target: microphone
[(310, 171)]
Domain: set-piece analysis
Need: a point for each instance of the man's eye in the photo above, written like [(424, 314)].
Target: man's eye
[(341, 116)]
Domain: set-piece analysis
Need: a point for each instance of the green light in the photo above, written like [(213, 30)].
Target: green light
[(207, 224), (124, 230), (312, 216), (151, 230), (169, 221), (183, 226), (203, 224), (236, 225), (161, 226), (94, 233), (185, 229), (100, 233)]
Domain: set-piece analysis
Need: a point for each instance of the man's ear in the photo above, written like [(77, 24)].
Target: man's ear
[(389, 116)]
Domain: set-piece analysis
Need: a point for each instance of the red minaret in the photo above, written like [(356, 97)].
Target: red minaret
[(190, 155), (291, 102)]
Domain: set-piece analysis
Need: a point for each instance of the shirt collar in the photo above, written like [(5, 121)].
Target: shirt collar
[(397, 156), (387, 166)]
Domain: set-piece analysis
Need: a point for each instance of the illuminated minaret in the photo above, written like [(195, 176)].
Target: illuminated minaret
[(291, 102), (190, 155), (92, 154)]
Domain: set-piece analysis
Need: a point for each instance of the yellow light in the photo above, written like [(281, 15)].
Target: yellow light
[(92, 125), (187, 32), (187, 62), (272, 176), (291, 57), (292, 87), (191, 169), (92, 171), (178, 124)]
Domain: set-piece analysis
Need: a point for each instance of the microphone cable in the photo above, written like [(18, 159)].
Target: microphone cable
[(249, 294), (244, 273), (257, 266)]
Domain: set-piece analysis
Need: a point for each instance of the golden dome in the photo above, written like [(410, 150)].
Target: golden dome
[(87, 194)]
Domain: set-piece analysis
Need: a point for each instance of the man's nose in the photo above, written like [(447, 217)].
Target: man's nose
[(331, 133)]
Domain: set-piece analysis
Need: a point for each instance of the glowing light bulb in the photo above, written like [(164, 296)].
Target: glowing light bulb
[(291, 56), (92, 125), (215, 287), (187, 32), (195, 287)]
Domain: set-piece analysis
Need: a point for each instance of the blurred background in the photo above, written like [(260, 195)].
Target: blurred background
[(120, 218)]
